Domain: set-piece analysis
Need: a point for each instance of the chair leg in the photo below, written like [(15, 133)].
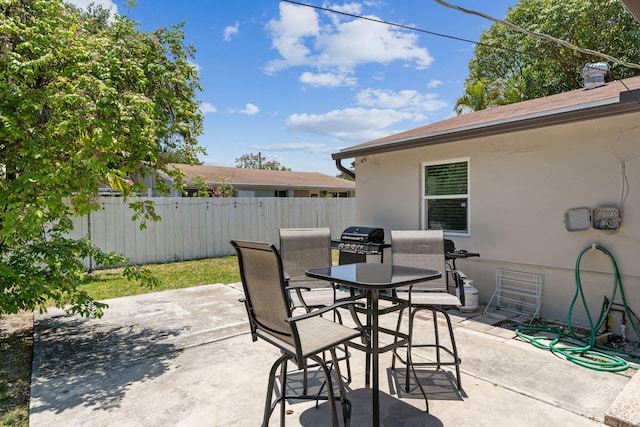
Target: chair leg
[(268, 408), (346, 406), (410, 365), (409, 361), (348, 356), (395, 339), (454, 347), (305, 382), (436, 333), (453, 351), (283, 397), (346, 349), (331, 398)]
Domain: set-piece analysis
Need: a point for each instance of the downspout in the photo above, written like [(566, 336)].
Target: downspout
[(345, 170)]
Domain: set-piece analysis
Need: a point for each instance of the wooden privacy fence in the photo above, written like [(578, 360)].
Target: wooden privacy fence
[(195, 228)]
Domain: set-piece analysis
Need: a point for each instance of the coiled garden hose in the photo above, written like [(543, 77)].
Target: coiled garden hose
[(583, 350)]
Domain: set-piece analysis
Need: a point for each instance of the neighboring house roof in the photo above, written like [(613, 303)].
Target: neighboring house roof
[(617, 97), (256, 178), (634, 7)]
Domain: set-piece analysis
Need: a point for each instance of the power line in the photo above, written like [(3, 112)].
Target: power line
[(543, 36), (509, 25), (472, 12), (393, 24)]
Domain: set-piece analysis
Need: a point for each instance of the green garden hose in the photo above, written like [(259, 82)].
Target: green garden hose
[(583, 350)]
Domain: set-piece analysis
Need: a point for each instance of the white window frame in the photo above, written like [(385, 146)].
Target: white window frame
[(424, 198)]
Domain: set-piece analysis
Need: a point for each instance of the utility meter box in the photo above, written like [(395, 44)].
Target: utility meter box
[(607, 219), (604, 219), (577, 219)]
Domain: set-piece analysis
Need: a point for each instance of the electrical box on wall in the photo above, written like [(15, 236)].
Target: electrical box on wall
[(607, 219), (577, 219)]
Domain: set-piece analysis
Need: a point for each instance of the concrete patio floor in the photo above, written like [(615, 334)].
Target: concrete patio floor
[(185, 358)]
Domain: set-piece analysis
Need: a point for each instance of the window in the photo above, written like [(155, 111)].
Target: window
[(338, 194), (280, 193), (446, 196)]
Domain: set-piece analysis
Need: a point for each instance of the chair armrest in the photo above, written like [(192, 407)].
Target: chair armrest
[(459, 274), (297, 288), (323, 310)]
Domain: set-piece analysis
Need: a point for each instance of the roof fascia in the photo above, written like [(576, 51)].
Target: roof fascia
[(491, 129), (292, 186), (634, 7)]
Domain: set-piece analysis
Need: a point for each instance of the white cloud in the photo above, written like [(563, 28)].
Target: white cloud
[(248, 110), (405, 100), (434, 84), (288, 33), (107, 4), (378, 110), (298, 146), (231, 30), (327, 79), (342, 44), (359, 42), (350, 124), (207, 107)]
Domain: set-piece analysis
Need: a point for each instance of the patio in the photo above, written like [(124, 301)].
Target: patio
[(185, 358)]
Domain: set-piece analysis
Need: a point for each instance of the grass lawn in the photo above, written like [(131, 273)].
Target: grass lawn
[(16, 331), (106, 284)]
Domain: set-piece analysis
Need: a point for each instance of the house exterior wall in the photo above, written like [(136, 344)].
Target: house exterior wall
[(520, 186)]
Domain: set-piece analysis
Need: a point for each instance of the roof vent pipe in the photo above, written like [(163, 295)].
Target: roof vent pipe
[(593, 74)]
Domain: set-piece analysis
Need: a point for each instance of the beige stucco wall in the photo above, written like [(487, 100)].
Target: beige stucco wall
[(520, 187)]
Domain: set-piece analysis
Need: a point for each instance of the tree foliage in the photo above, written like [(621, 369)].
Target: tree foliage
[(201, 185), (222, 188), (218, 188), (513, 67), (256, 161), (173, 156), (478, 96), (85, 104)]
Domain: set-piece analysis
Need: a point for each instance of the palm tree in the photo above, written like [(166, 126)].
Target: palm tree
[(478, 96)]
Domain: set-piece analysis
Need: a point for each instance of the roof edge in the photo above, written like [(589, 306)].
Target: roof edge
[(491, 129)]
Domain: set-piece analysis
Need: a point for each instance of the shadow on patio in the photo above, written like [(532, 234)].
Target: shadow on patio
[(185, 357)]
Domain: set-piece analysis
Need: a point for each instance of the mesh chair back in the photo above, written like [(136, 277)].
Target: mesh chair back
[(264, 288), (421, 249), (304, 248)]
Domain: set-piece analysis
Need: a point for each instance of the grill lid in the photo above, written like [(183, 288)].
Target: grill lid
[(363, 234)]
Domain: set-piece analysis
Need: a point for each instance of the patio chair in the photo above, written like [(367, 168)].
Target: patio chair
[(301, 249), (425, 249), (299, 338)]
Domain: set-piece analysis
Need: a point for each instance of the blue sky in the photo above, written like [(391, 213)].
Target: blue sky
[(297, 84)]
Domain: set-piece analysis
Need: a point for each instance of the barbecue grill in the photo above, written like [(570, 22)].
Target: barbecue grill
[(356, 243)]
